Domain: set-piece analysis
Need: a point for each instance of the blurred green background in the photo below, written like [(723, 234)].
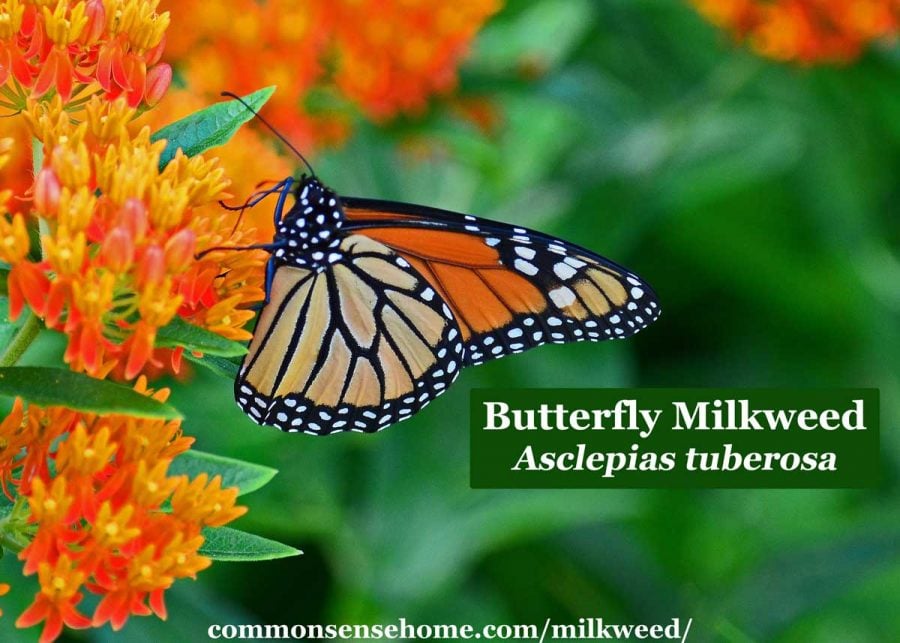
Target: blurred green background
[(760, 201)]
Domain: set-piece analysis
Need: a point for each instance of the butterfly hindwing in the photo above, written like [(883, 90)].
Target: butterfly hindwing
[(359, 345), (509, 288)]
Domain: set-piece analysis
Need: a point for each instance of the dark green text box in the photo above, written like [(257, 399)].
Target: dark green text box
[(832, 441)]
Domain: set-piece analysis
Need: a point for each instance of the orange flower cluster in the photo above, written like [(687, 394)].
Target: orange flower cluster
[(69, 45), (118, 255), (107, 517), (386, 56), (805, 31)]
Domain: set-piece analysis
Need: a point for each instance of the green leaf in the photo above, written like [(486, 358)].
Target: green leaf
[(7, 327), (246, 476), (61, 387), (225, 543), (209, 127), (218, 365), (180, 333)]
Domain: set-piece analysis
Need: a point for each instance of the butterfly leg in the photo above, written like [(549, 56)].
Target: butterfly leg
[(270, 274), (256, 197), (285, 187)]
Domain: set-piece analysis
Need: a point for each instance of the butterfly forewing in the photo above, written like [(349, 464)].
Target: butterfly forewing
[(359, 345), (510, 288)]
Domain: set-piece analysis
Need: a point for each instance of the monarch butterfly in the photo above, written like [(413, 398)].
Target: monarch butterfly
[(373, 307)]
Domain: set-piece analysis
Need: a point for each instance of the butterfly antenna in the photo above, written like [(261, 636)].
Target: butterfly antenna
[(271, 127)]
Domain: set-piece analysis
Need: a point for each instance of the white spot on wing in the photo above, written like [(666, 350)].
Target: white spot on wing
[(525, 267), (564, 271), (562, 296)]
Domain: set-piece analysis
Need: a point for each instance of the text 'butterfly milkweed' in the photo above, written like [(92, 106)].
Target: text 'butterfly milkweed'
[(373, 308)]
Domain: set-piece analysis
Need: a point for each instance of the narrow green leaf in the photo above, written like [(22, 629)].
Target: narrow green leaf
[(61, 387), (209, 127), (180, 333), (246, 476), (218, 365), (225, 543)]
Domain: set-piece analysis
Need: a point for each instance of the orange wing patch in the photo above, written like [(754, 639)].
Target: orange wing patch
[(438, 245), (482, 293)]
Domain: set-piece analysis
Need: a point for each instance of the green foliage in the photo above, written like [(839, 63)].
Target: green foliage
[(225, 543), (219, 365), (210, 127), (7, 327), (245, 476), (61, 387), (193, 338)]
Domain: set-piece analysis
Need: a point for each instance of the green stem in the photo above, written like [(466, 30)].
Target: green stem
[(31, 325), (21, 340)]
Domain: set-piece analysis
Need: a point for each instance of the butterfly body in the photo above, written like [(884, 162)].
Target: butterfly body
[(373, 307), (308, 235)]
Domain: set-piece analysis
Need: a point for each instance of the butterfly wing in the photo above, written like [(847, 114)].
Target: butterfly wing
[(360, 345), (510, 288)]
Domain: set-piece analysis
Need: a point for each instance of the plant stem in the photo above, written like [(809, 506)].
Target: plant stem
[(21, 340), (31, 325)]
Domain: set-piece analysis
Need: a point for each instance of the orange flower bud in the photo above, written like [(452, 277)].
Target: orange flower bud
[(180, 250), (133, 216), (96, 21), (46, 191), (157, 83), (118, 250), (152, 266)]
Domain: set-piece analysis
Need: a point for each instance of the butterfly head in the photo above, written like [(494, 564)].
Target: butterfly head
[(309, 234)]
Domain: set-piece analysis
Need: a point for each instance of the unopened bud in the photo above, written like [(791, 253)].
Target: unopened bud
[(152, 266), (133, 217), (46, 191), (118, 250), (96, 21), (157, 84), (180, 250)]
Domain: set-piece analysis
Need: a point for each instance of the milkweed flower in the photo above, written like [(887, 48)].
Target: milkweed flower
[(383, 57), (805, 31), (107, 517), (68, 46), (393, 56), (118, 255)]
